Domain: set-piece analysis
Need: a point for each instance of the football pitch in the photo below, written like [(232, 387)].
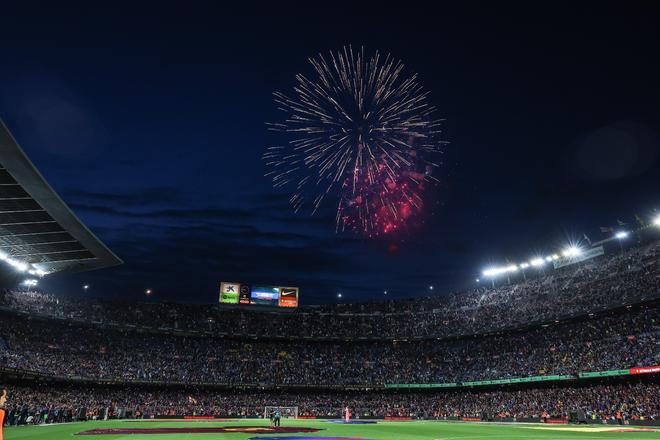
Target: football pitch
[(317, 429)]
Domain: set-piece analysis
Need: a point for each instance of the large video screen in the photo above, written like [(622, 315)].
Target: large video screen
[(258, 295), (265, 296)]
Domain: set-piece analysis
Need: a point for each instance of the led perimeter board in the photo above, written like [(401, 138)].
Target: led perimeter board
[(258, 295)]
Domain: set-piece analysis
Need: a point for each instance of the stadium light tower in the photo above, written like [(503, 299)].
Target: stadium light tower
[(430, 287), (656, 221), (85, 287), (339, 295)]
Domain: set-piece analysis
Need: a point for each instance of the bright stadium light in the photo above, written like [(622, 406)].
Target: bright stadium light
[(148, 292), (477, 280), (548, 259), (524, 265), (30, 282), (536, 262), (430, 287), (86, 286), (621, 235), (339, 295), (555, 257), (19, 266), (385, 292), (495, 271), (656, 221), (571, 251)]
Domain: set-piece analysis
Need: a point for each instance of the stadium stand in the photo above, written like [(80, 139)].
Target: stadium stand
[(597, 318), (602, 283), (598, 402), (61, 349)]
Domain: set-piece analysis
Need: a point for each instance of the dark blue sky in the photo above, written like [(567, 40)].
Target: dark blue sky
[(149, 122)]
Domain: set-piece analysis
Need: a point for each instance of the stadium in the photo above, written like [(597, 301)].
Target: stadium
[(563, 343), (576, 344)]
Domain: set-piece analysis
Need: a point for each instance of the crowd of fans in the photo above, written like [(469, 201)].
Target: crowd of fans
[(600, 283), (598, 402), (482, 334), (55, 348)]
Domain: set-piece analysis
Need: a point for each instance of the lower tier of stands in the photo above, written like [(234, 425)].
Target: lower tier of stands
[(594, 401)]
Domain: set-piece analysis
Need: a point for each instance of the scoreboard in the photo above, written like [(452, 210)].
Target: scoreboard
[(246, 294)]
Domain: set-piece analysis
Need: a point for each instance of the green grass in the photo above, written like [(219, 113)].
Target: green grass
[(421, 430)]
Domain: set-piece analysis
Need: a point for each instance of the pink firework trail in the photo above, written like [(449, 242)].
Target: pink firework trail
[(361, 133)]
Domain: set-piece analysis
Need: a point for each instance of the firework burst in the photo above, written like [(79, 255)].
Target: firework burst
[(361, 132)]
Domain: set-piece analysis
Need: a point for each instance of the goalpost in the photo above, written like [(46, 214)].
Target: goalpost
[(288, 412)]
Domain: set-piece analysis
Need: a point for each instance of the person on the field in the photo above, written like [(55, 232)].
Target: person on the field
[(271, 416), (3, 400), (278, 417)]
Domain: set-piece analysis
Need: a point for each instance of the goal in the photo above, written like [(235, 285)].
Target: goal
[(288, 412)]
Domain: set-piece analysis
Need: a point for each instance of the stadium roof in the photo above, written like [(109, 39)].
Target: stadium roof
[(36, 227)]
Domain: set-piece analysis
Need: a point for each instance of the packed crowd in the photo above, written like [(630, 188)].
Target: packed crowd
[(114, 341), (55, 348), (600, 283), (637, 401)]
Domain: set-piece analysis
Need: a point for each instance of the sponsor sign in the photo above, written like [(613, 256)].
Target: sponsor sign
[(288, 297), (645, 370), (229, 293), (245, 294)]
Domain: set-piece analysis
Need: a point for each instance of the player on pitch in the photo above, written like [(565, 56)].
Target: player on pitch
[(3, 399)]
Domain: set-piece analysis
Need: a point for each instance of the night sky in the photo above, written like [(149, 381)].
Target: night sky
[(149, 122)]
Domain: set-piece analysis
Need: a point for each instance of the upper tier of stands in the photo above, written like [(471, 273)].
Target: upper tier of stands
[(606, 282)]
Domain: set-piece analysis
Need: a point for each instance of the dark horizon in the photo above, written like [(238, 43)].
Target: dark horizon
[(151, 126)]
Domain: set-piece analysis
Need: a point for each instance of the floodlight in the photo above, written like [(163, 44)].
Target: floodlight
[(494, 271), (571, 251), (548, 259), (656, 221), (18, 265), (537, 262), (621, 235), (524, 265)]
